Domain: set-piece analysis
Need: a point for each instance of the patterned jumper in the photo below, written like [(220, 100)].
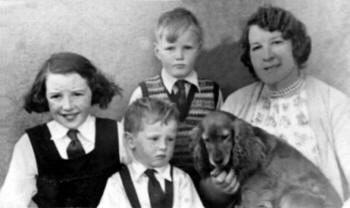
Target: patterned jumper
[(201, 103)]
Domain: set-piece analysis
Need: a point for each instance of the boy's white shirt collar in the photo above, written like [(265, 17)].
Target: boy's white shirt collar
[(86, 129), (138, 170), (169, 80)]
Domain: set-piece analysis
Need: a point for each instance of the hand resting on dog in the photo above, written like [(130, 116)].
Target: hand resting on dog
[(219, 187)]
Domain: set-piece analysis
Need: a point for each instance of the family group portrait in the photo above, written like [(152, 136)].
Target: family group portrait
[(174, 104)]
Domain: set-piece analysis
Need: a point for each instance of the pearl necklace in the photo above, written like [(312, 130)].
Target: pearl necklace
[(289, 90)]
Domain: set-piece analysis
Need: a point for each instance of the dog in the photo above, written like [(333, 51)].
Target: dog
[(265, 165)]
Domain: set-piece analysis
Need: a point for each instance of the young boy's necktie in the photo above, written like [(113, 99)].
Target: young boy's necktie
[(74, 149), (181, 99), (155, 191)]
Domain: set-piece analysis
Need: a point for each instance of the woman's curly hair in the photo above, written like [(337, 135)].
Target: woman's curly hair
[(277, 19)]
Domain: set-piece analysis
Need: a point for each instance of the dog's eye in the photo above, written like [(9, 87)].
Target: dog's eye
[(171, 139), (205, 139), (225, 136)]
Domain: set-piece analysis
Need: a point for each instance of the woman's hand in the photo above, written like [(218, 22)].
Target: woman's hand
[(219, 188), (226, 182)]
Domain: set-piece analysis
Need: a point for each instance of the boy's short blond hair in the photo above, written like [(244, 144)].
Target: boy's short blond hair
[(148, 111), (173, 23)]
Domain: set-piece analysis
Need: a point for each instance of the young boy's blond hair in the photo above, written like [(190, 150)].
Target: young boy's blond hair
[(148, 111), (173, 23)]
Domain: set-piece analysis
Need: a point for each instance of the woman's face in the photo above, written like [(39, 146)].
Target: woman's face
[(272, 58)]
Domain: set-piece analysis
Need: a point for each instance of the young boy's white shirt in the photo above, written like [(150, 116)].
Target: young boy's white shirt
[(185, 194), (20, 184), (169, 82)]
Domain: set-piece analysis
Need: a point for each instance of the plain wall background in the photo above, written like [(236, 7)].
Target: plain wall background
[(117, 36)]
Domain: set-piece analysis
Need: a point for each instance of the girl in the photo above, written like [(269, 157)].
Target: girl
[(67, 161)]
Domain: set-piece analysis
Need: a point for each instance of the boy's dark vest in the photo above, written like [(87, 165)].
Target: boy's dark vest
[(76, 182), (201, 103)]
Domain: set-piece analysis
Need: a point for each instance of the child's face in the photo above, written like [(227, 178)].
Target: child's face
[(153, 146), (178, 58), (69, 98)]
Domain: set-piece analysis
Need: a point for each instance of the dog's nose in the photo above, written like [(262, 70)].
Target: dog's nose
[(218, 160)]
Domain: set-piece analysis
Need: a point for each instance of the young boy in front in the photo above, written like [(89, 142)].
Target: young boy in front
[(149, 181), (179, 39)]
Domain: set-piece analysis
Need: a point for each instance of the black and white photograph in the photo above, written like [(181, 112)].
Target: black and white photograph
[(174, 103)]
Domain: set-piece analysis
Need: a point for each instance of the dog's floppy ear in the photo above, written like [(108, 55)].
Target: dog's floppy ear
[(200, 154), (249, 151), (195, 135)]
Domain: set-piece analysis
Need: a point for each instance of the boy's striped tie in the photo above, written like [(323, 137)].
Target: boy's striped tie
[(180, 97)]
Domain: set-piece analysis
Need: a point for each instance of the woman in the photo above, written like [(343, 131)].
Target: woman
[(306, 112)]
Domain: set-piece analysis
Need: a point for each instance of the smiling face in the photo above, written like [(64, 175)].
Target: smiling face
[(154, 145), (178, 57), (69, 98), (272, 58)]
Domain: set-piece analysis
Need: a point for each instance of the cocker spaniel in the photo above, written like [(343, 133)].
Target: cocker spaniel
[(264, 165)]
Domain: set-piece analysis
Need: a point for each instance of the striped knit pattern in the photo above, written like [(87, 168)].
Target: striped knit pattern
[(202, 103)]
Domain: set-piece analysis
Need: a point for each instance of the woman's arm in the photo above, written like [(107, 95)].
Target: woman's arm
[(340, 121)]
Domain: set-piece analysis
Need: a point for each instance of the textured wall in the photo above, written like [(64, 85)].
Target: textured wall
[(117, 36)]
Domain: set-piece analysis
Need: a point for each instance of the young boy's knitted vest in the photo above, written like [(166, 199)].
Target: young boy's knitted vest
[(76, 182), (203, 102)]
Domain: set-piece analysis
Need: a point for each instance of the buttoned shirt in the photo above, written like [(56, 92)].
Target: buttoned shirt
[(185, 194)]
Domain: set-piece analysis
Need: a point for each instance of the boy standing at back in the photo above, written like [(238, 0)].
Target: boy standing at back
[(179, 39), (149, 181)]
